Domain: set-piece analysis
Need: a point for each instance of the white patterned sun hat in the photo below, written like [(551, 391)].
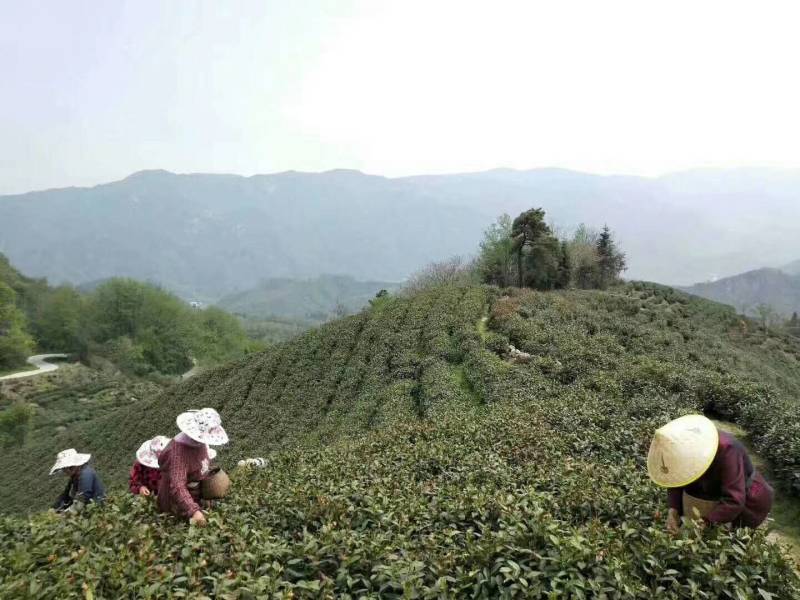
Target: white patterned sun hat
[(148, 452), (204, 426), (69, 458), (682, 450)]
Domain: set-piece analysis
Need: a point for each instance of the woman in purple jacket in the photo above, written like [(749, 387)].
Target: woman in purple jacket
[(708, 475)]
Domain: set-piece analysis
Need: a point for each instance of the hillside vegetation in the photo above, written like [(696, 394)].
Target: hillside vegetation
[(141, 328), (408, 457)]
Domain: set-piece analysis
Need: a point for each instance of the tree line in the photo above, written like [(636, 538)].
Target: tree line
[(138, 326)]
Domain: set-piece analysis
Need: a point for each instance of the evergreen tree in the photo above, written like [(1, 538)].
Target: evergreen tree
[(536, 250), (610, 262), (564, 267)]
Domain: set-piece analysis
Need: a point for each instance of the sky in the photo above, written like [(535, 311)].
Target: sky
[(93, 91)]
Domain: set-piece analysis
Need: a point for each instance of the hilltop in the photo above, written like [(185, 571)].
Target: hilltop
[(408, 456), (204, 236)]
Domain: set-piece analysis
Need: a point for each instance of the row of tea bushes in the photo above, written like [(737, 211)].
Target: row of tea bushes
[(500, 504)]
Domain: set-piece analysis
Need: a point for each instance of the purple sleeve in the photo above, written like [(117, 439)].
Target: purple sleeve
[(179, 493), (675, 499), (733, 489)]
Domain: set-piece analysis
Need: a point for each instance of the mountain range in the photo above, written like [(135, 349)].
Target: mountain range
[(778, 288), (205, 236), (313, 300)]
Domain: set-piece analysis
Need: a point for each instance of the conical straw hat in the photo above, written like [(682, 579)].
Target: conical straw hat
[(682, 450)]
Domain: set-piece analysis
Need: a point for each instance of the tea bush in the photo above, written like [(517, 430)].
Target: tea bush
[(408, 458), (468, 507)]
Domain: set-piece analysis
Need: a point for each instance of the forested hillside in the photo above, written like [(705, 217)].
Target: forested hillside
[(142, 329), (204, 236), (410, 456)]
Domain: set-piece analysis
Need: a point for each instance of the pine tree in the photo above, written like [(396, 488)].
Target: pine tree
[(610, 262), (532, 241), (564, 267)]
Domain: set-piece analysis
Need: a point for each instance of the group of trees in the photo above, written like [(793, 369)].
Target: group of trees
[(15, 342), (138, 326), (526, 252)]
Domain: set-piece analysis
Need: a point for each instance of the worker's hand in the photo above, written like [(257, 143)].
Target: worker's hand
[(673, 521), (144, 490), (198, 518)]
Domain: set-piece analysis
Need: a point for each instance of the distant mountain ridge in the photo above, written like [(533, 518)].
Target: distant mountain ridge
[(793, 268), (206, 236), (310, 299), (774, 287)]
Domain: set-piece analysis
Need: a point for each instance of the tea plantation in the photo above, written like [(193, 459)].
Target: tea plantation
[(408, 458)]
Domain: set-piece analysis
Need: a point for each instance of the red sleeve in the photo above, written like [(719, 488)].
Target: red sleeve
[(733, 488), (675, 499), (135, 482), (178, 492)]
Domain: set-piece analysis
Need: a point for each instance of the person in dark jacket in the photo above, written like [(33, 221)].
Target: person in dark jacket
[(708, 475), (84, 484)]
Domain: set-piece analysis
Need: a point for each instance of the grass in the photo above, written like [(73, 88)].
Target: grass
[(15, 370)]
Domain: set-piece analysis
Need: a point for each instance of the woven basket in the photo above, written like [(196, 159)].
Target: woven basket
[(696, 508), (216, 485)]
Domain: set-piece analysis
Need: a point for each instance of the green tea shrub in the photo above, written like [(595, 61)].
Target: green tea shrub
[(408, 458)]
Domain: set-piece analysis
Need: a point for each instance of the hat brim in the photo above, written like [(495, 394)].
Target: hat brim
[(76, 460), (187, 424), (685, 460), (146, 456)]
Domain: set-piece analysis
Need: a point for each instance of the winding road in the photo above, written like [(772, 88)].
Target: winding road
[(39, 361)]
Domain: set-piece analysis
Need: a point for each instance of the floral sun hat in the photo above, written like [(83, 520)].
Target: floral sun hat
[(148, 452), (69, 458), (682, 450), (204, 426)]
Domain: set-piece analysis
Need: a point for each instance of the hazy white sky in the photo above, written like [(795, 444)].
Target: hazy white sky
[(93, 91)]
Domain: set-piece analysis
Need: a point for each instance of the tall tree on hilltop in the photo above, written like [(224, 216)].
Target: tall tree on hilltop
[(497, 253), (583, 257), (610, 261), (564, 267), (526, 230)]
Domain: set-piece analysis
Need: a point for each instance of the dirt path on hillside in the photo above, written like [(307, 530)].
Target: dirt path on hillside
[(191, 372)]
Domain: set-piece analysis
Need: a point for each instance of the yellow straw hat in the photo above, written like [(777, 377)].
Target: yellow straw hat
[(682, 450)]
